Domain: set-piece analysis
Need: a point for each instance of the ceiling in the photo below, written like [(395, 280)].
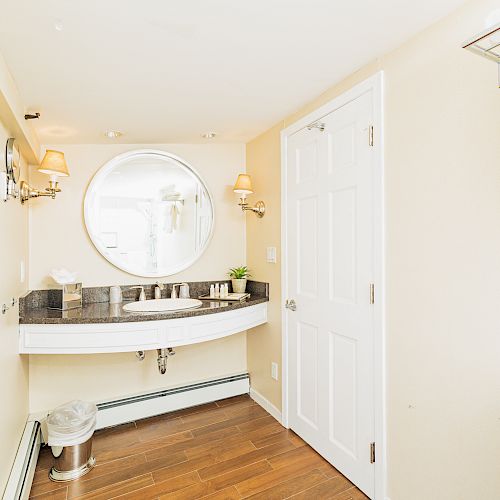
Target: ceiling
[(169, 70)]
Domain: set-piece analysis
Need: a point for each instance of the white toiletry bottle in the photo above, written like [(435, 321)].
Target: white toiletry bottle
[(217, 291), (224, 290), (157, 292), (212, 292), (184, 291), (115, 295)]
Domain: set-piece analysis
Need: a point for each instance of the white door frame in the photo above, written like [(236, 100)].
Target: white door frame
[(375, 85)]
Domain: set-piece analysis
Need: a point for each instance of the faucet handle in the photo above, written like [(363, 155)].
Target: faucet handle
[(142, 295), (174, 294)]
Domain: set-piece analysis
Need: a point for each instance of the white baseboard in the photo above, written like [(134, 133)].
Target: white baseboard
[(266, 404), (23, 470)]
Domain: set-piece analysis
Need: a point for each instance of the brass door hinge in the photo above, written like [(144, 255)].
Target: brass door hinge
[(372, 453), (371, 141), (372, 293)]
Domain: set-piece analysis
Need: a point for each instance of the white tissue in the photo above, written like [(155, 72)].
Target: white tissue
[(63, 276)]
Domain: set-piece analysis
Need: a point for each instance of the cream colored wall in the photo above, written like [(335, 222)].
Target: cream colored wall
[(58, 238), (264, 342), (442, 168), (14, 377)]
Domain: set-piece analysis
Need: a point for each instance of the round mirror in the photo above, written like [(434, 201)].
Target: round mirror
[(12, 160), (149, 213)]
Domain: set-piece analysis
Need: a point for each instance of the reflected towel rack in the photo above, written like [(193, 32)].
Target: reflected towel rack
[(173, 197)]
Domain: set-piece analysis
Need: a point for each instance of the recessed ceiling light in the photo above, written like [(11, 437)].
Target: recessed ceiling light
[(208, 135), (113, 134)]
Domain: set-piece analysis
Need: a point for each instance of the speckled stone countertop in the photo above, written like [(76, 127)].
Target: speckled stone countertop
[(33, 307)]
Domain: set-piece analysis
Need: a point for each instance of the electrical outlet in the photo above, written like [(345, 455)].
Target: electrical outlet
[(274, 370), (271, 255)]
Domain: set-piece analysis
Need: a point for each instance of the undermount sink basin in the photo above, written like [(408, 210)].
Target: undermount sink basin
[(161, 305)]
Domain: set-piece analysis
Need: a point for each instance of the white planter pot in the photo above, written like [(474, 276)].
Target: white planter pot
[(239, 286)]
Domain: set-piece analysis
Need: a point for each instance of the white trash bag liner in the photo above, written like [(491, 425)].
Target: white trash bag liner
[(72, 423)]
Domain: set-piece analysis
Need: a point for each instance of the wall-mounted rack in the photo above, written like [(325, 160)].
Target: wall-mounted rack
[(487, 44)]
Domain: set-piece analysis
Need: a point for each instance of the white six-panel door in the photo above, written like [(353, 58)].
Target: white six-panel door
[(330, 262)]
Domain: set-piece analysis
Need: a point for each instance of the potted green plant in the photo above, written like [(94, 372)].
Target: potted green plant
[(239, 277)]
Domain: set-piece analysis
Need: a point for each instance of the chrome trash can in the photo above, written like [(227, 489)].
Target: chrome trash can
[(70, 430)]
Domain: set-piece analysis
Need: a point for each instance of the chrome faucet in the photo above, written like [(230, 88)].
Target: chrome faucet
[(142, 295)]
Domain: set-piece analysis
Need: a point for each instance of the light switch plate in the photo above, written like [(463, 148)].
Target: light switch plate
[(271, 255)]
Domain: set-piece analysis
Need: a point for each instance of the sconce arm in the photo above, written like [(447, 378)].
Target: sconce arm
[(27, 192), (259, 208)]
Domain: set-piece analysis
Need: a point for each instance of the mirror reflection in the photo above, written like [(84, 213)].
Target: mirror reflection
[(149, 213)]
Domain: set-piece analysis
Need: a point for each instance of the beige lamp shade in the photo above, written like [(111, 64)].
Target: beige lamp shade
[(54, 163), (243, 184)]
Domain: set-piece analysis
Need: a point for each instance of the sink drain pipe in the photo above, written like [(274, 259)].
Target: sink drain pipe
[(162, 358), (163, 355)]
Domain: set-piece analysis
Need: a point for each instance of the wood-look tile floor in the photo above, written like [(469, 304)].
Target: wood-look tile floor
[(228, 449)]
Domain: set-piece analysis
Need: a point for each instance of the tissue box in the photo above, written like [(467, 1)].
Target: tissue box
[(65, 297)]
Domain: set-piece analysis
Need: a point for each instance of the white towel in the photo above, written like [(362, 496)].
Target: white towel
[(172, 217)]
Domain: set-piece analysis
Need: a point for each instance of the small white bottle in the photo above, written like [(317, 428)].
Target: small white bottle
[(217, 291), (157, 292), (226, 290), (184, 291), (212, 291), (115, 295)]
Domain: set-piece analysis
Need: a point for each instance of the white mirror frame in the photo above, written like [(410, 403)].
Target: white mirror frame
[(103, 172)]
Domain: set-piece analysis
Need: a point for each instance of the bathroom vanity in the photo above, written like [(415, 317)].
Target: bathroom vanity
[(101, 327)]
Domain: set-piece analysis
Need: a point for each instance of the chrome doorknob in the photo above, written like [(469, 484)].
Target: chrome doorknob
[(290, 304)]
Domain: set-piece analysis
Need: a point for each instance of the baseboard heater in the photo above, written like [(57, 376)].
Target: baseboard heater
[(120, 411), (22, 473)]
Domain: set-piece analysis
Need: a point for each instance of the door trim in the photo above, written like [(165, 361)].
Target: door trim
[(375, 85)]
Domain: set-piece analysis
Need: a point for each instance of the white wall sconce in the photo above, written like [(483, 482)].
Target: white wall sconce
[(53, 164), (243, 187)]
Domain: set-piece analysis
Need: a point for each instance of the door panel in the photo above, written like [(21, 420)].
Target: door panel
[(330, 262), (343, 397), (307, 246), (342, 244), (307, 374)]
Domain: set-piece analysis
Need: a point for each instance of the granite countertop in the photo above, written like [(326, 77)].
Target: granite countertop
[(97, 309)]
